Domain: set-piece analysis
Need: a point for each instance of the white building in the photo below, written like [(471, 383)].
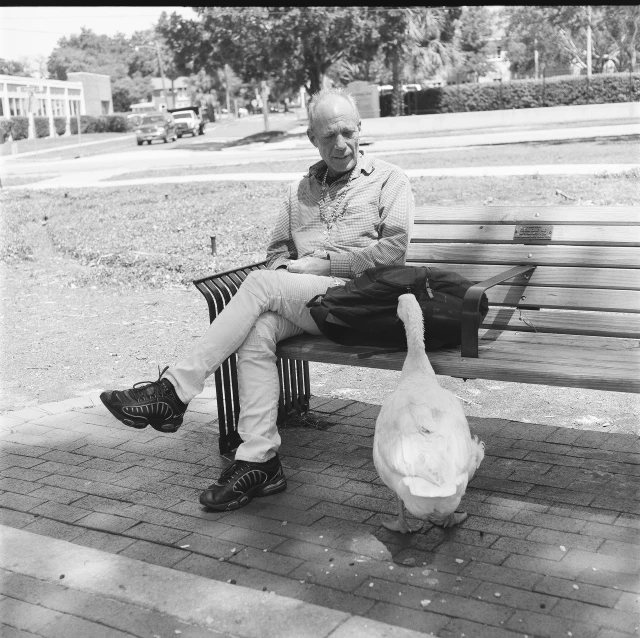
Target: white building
[(42, 98)]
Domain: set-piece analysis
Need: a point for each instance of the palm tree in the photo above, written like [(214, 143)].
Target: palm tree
[(410, 39)]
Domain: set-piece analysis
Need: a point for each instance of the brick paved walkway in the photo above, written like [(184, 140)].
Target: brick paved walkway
[(550, 548)]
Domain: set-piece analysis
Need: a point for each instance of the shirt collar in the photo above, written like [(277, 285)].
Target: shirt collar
[(364, 165)]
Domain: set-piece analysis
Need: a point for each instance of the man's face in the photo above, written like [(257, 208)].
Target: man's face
[(335, 134)]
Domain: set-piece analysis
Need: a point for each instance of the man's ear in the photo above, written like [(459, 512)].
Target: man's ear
[(359, 125), (312, 137)]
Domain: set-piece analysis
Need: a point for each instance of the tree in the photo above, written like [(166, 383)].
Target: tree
[(410, 36), (529, 29), (614, 31), (296, 45), (130, 62), (12, 67), (475, 31), (622, 24)]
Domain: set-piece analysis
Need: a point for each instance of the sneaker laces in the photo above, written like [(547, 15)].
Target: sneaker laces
[(148, 388), (235, 468)]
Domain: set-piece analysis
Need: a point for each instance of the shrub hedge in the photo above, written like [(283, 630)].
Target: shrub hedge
[(5, 130), (116, 123), (60, 125), (19, 127), (520, 94), (42, 126)]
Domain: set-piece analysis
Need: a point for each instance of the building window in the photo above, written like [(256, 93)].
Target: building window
[(17, 106), (105, 107), (74, 107), (1, 107), (57, 108), (42, 107)]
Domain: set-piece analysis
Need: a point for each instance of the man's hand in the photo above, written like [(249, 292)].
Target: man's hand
[(310, 266)]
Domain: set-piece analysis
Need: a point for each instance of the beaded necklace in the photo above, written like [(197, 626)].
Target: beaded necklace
[(334, 213)]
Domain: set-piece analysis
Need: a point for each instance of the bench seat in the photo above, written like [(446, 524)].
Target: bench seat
[(563, 284), (596, 363)]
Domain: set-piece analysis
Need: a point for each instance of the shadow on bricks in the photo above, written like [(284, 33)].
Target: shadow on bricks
[(551, 544)]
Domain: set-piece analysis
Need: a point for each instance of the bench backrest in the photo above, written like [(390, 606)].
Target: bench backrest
[(587, 258)]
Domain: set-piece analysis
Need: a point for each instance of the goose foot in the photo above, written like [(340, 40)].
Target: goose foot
[(401, 525), (449, 521)]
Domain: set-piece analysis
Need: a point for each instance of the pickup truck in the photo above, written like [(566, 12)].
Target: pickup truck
[(188, 121)]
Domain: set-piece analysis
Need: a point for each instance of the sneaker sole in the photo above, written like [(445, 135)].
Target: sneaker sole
[(142, 422), (245, 499)]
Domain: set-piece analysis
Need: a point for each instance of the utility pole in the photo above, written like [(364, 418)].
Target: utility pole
[(536, 63), (265, 103), (588, 40), (164, 86)]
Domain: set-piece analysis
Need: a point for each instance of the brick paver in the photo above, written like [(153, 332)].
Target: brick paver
[(551, 545)]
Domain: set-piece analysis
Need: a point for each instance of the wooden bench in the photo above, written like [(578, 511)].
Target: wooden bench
[(563, 284)]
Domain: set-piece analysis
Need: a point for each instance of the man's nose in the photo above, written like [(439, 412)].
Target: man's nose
[(340, 142)]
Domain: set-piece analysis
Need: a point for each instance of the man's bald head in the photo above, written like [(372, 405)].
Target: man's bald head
[(326, 99)]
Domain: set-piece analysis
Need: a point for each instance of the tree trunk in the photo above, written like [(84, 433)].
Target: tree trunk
[(397, 103)]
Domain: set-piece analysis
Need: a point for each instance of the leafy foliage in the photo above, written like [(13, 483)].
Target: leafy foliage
[(5, 130), (12, 67), (42, 126), (60, 125), (520, 94), (293, 45), (476, 29), (559, 34), (130, 62)]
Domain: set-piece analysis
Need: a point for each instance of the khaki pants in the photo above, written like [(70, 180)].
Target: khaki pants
[(269, 306)]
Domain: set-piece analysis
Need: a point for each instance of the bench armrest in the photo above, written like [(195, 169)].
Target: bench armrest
[(220, 287), (471, 309)]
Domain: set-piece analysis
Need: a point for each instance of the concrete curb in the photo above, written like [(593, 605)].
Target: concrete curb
[(233, 609)]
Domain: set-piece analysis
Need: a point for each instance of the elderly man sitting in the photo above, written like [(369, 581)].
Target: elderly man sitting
[(350, 212)]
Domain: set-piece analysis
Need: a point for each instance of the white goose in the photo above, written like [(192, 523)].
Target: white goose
[(422, 448)]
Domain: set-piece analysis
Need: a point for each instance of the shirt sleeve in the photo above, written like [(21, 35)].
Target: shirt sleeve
[(282, 249), (396, 217)]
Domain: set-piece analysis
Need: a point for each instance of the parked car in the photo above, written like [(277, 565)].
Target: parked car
[(188, 120), (156, 126)]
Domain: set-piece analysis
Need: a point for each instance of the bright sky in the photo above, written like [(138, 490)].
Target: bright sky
[(32, 31)]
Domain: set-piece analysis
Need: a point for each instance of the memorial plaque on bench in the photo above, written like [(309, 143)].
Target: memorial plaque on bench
[(533, 232)]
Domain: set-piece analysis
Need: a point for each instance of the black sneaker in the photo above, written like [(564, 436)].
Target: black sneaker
[(241, 481), (154, 403)]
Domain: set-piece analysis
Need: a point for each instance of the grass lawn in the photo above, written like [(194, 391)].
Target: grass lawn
[(19, 180), (160, 235), (47, 143), (619, 150)]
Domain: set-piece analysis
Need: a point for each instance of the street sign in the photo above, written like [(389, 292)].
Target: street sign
[(31, 89)]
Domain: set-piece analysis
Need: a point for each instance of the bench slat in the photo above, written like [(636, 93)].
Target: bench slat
[(621, 278), (610, 353), (449, 362), (504, 233), (566, 298), (563, 322), (583, 215), (513, 255)]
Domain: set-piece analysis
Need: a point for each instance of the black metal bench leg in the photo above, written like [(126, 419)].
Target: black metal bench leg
[(295, 393)]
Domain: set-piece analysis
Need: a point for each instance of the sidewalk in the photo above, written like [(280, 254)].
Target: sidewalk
[(105, 536)]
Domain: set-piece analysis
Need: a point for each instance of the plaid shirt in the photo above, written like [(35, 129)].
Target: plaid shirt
[(373, 231)]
